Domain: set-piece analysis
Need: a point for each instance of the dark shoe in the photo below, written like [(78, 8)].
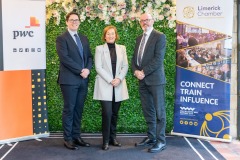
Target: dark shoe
[(105, 146), (70, 145), (146, 142), (114, 142), (80, 142), (157, 147)]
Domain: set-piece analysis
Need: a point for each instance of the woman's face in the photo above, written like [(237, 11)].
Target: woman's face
[(110, 36)]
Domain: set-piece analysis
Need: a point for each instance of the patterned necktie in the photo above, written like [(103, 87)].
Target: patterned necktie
[(80, 47), (140, 52)]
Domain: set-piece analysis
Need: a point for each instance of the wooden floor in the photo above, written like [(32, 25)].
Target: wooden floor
[(230, 151)]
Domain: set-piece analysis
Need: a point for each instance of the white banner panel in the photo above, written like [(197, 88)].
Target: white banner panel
[(23, 34), (211, 14)]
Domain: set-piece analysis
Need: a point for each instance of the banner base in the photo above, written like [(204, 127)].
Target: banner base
[(6, 141), (202, 137)]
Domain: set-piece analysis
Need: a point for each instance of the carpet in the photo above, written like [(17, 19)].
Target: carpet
[(51, 148)]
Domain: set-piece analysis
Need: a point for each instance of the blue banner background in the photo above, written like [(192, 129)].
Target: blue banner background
[(202, 119)]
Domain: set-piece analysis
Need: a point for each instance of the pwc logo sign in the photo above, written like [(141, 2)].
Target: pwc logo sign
[(34, 22)]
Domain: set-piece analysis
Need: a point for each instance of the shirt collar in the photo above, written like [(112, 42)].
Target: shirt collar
[(149, 31), (71, 32)]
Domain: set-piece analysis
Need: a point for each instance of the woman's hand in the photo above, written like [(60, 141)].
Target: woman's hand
[(115, 82)]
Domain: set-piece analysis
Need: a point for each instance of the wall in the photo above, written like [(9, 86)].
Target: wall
[(233, 108)]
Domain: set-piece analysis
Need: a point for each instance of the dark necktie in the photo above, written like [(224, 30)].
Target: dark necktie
[(80, 47), (140, 53)]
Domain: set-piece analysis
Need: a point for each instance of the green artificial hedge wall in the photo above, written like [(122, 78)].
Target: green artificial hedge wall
[(131, 119)]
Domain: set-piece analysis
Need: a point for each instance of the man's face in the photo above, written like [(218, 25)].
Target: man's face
[(73, 22), (146, 22)]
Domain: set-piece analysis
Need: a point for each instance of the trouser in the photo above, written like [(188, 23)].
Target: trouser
[(109, 119), (74, 97), (153, 106)]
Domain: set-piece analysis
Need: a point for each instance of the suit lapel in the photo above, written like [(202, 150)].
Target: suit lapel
[(118, 54), (83, 42), (107, 56), (70, 38), (150, 38), (137, 50)]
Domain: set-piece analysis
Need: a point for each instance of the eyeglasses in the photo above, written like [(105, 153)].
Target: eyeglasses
[(146, 20), (73, 20)]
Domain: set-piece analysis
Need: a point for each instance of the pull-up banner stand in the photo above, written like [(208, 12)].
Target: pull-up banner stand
[(203, 69), (23, 109)]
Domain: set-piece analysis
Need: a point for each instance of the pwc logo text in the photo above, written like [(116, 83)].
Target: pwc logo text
[(34, 22)]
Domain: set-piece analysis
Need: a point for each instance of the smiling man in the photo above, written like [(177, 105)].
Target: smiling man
[(75, 65), (148, 67)]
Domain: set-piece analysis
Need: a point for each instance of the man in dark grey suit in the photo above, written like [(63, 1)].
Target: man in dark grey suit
[(148, 67), (75, 65)]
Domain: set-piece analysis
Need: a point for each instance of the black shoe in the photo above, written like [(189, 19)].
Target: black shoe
[(105, 146), (114, 142), (157, 147), (70, 145), (146, 142), (80, 142)]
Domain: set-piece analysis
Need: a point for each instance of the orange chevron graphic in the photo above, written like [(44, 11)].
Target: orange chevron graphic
[(34, 22)]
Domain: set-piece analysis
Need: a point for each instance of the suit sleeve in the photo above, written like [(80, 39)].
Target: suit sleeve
[(99, 66), (65, 59), (158, 58)]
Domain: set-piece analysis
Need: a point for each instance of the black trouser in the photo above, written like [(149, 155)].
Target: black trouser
[(74, 97), (153, 106), (109, 119)]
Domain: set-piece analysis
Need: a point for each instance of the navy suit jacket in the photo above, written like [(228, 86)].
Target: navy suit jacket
[(70, 59), (153, 58)]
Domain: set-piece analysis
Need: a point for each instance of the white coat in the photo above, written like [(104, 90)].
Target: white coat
[(103, 88)]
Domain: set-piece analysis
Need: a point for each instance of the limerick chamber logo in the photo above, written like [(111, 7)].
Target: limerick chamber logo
[(34, 22), (188, 12)]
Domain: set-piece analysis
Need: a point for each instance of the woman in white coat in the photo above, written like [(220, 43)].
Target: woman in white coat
[(110, 85)]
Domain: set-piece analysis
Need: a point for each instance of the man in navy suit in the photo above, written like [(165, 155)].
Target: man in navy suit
[(75, 65), (148, 67)]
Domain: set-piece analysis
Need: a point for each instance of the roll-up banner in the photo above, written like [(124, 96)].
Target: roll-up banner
[(23, 108), (203, 69)]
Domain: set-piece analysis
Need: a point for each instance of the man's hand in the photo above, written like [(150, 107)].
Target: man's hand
[(84, 73), (139, 74)]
